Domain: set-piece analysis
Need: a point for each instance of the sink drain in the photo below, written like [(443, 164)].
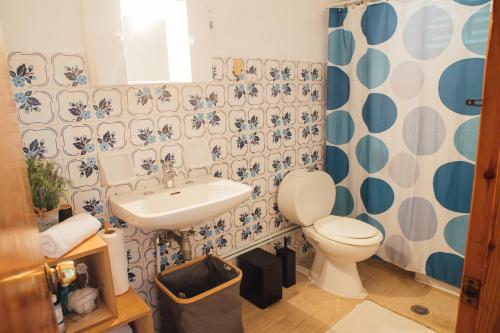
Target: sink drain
[(419, 309)]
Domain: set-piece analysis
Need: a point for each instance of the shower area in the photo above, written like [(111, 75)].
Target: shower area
[(404, 83)]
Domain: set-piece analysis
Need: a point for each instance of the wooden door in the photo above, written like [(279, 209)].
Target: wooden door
[(25, 304), (482, 255)]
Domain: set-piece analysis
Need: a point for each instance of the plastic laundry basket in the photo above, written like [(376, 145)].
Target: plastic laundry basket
[(202, 295)]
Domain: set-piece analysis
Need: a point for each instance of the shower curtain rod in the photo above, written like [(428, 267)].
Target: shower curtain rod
[(349, 3)]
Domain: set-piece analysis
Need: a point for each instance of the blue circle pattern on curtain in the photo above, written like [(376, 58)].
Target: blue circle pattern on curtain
[(377, 195), (372, 153), (341, 45), (344, 203), (475, 31), (338, 88), (337, 163), (375, 32), (373, 68), (339, 127), (379, 112), (466, 138), (460, 81), (453, 185), (445, 267), (455, 233), (472, 2)]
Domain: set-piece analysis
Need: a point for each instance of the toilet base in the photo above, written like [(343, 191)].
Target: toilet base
[(338, 277)]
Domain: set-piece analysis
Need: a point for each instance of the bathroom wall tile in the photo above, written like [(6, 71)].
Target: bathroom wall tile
[(317, 72), (195, 124), (288, 70), (73, 106), (69, 70), (169, 128), (288, 92), (34, 107), (142, 132), (192, 98), (255, 93), (273, 93), (237, 94), (77, 140), (28, 69), (40, 142), (317, 93), (166, 97), (219, 148), (254, 70), (172, 153), (107, 102), (218, 67), (83, 172), (111, 136), (216, 121), (235, 69), (139, 100), (220, 170), (88, 201), (145, 162), (272, 68), (303, 71)]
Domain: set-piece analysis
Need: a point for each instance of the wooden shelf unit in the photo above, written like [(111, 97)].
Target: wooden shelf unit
[(113, 310)]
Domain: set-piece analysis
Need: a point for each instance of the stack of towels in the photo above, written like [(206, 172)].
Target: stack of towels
[(66, 235)]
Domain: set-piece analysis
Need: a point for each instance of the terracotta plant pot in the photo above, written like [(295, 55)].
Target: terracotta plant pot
[(45, 220)]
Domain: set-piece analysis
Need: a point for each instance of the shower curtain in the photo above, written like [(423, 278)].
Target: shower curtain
[(401, 141)]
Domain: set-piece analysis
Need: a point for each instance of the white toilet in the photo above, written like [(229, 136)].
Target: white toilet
[(306, 197)]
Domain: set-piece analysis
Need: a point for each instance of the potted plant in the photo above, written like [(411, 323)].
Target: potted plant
[(47, 187)]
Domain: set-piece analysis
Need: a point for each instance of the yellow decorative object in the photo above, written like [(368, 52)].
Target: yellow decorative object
[(237, 67)]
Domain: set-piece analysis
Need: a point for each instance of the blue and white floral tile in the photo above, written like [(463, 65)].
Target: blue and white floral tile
[(238, 121), (239, 170), (288, 92), (73, 106), (169, 129), (274, 139), (273, 93), (273, 182), (142, 132), (203, 232), (237, 94), (317, 90), (304, 92), (317, 72), (172, 153), (220, 170), (78, 140), (219, 149), (40, 142), (255, 93), (217, 69), (34, 107), (274, 162), (239, 144), (272, 70), (256, 166), (82, 172), (224, 243), (214, 96), (28, 69), (195, 124), (235, 69), (288, 70), (256, 142), (259, 188), (88, 201), (166, 98), (193, 98), (135, 276), (69, 70), (107, 102), (243, 236), (303, 71), (254, 70), (145, 162), (139, 100), (111, 135), (223, 223), (216, 121)]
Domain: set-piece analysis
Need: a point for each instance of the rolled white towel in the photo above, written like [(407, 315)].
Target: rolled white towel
[(121, 329), (64, 236)]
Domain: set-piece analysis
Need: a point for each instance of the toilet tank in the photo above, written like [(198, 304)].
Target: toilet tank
[(306, 195)]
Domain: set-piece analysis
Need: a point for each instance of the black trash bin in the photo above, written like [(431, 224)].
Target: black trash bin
[(201, 296)]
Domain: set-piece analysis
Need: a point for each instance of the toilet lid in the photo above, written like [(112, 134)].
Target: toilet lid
[(344, 227)]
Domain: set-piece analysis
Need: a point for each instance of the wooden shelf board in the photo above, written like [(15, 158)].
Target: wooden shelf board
[(130, 308), (97, 316), (90, 246)]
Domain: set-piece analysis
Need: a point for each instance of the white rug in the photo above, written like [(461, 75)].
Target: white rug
[(373, 318)]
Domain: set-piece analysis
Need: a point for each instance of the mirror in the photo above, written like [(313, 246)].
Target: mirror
[(148, 41)]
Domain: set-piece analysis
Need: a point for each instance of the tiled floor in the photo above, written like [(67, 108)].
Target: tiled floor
[(306, 308)]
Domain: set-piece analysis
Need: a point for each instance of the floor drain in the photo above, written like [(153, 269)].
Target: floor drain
[(419, 309)]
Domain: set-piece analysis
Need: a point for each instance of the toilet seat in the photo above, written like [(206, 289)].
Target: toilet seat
[(347, 231)]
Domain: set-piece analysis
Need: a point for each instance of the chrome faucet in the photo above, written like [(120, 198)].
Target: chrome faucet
[(169, 174)]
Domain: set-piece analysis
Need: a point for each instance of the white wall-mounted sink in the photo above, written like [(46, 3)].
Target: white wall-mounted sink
[(188, 204)]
